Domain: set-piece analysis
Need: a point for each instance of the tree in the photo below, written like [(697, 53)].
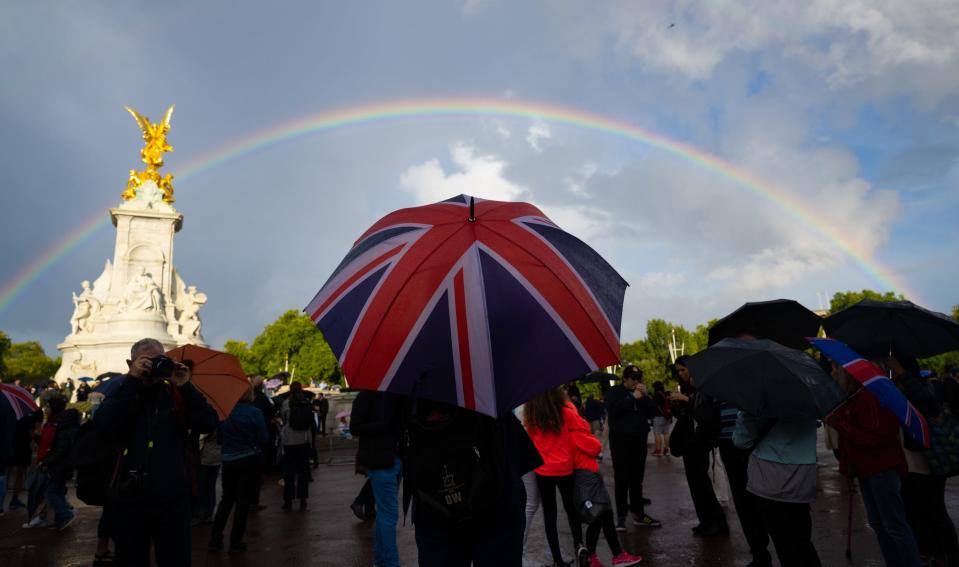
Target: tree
[(955, 313), (28, 362), (4, 347), (291, 342), (844, 299)]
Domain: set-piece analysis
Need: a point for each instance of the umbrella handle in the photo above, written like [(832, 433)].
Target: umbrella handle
[(472, 211)]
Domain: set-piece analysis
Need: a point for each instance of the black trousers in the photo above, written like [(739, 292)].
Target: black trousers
[(548, 485), (629, 469), (696, 463), (239, 487), (605, 524), (167, 526), (790, 528), (736, 461), (296, 472), (925, 500), (495, 542)]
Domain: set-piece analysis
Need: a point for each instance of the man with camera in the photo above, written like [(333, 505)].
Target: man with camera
[(148, 417)]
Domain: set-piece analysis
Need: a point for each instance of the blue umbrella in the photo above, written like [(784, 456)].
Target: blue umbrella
[(85, 379)]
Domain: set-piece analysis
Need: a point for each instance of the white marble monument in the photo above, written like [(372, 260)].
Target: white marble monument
[(139, 294)]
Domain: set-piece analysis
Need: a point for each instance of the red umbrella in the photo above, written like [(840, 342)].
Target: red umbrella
[(481, 304), (216, 374)]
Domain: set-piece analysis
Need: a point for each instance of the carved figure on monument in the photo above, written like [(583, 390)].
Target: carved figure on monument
[(80, 368), (85, 308), (141, 294), (189, 319), (152, 154)]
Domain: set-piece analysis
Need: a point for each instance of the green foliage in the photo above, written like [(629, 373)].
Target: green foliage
[(955, 313), (652, 353), (292, 341), (28, 362), (4, 347), (844, 299)]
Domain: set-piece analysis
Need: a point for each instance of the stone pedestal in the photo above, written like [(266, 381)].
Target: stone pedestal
[(138, 295)]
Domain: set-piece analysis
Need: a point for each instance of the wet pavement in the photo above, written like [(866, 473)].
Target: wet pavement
[(327, 534)]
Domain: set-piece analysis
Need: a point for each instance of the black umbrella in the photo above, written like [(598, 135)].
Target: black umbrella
[(598, 377), (782, 320), (765, 379), (894, 326)]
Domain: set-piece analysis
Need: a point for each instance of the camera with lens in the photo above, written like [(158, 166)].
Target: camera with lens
[(131, 486), (163, 367)]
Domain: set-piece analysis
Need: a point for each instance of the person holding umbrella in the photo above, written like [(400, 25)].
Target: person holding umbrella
[(869, 450)]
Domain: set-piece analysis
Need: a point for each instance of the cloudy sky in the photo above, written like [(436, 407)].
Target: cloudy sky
[(847, 107)]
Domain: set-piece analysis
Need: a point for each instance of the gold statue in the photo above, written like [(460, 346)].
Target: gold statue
[(152, 153)]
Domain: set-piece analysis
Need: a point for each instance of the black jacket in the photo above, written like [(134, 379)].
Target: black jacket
[(627, 415), (136, 414), (57, 460), (377, 419)]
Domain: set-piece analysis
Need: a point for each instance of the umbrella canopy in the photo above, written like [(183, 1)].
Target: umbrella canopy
[(108, 382), (273, 383), (343, 414), (216, 374), (85, 379), (599, 378), (765, 379), (782, 320), (483, 306), (19, 400), (894, 326)]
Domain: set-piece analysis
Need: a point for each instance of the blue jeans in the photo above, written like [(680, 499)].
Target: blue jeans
[(386, 488), (881, 493), (57, 499)]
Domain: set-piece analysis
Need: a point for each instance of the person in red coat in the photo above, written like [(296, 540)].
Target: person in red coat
[(870, 450)]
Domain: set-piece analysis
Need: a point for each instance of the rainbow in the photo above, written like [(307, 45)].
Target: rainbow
[(459, 107)]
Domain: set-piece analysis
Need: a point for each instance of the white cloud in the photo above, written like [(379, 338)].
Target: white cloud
[(480, 175), (536, 133)]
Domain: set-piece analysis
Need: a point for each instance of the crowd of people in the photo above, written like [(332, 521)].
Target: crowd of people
[(153, 451)]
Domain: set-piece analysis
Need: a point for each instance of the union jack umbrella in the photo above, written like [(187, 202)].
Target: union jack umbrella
[(19, 400), (484, 306)]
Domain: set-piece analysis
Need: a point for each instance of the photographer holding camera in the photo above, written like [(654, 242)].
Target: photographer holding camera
[(148, 417)]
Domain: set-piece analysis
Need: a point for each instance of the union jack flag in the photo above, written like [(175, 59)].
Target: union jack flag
[(483, 308), (20, 400), (874, 380)]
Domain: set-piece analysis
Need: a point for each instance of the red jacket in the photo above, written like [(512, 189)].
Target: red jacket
[(47, 435), (560, 451), (868, 437)]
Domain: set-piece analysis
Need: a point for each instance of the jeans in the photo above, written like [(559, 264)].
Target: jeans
[(548, 485), (881, 493), (386, 487), (532, 502), (206, 497), (736, 461), (238, 488), (296, 472), (57, 499), (629, 468), (366, 499)]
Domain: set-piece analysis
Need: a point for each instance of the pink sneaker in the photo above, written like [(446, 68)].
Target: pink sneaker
[(625, 558), (595, 562)]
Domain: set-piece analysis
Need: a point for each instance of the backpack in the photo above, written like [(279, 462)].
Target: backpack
[(94, 460), (453, 466), (301, 416)]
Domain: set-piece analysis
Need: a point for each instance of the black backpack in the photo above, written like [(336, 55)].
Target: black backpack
[(453, 467), (301, 416), (95, 461)]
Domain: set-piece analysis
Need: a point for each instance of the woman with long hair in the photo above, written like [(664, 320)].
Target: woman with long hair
[(545, 420)]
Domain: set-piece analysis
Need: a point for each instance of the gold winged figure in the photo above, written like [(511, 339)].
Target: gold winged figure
[(152, 153)]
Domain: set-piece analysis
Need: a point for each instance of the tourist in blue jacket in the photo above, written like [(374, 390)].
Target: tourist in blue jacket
[(241, 437), (782, 473)]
